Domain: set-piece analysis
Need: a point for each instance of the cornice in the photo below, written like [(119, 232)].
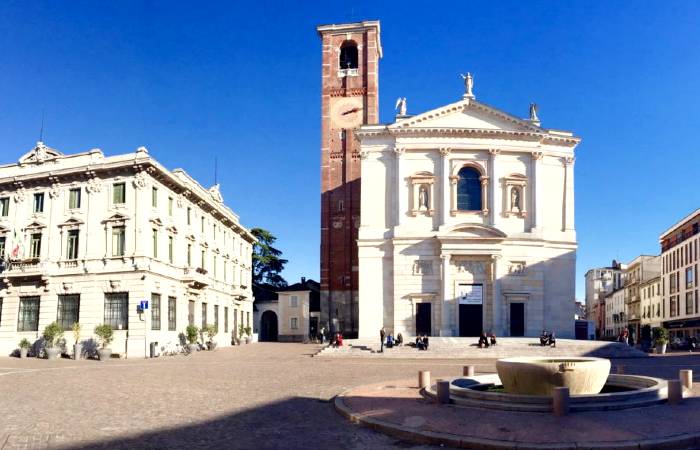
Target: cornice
[(484, 133)]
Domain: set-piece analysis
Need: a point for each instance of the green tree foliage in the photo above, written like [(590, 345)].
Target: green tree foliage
[(267, 261)]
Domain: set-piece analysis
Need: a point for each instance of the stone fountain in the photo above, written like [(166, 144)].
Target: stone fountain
[(540, 375)]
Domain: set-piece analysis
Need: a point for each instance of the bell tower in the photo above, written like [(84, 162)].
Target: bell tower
[(349, 99)]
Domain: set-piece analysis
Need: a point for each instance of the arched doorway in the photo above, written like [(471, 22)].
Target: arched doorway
[(268, 327)]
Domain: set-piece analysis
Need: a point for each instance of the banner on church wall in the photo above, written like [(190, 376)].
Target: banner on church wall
[(471, 294)]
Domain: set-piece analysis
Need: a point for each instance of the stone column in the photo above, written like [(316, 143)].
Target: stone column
[(498, 325), (447, 297), (538, 206), (484, 195), (401, 198), (445, 193), (496, 205), (568, 163)]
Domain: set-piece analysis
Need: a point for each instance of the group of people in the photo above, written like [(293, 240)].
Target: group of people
[(548, 338), (485, 341), (389, 340), (422, 342)]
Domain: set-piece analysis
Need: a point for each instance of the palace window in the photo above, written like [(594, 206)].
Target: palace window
[(189, 255), (3, 240), (38, 203), (4, 206), (170, 206), (469, 189), (293, 301), (118, 240), (204, 315), (216, 318), (74, 198), (294, 323), (155, 311), (190, 313), (170, 249), (172, 313), (189, 216), (28, 318), (119, 193), (689, 303), (348, 56), (35, 245), (225, 319), (155, 243), (689, 277), (72, 244), (154, 197), (117, 310), (68, 310)]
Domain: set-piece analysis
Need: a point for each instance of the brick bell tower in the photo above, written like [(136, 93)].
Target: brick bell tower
[(349, 99)]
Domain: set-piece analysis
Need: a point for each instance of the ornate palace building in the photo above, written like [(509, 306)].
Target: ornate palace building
[(467, 223), (349, 99), (86, 238)]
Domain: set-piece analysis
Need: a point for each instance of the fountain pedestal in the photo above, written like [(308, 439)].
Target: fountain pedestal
[(540, 375)]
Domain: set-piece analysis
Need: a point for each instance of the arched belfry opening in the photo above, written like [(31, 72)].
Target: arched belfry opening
[(348, 55)]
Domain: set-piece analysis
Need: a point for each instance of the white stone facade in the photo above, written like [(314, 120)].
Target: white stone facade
[(423, 241), (117, 230)]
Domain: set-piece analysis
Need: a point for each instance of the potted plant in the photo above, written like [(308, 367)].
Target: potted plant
[(247, 335), (52, 333), (661, 340), (24, 345), (210, 331), (241, 333), (105, 335), (77, 346), (191, 332)]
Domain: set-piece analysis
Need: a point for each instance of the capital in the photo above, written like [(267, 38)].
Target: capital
[(494, 152), (399, 151), (568, 160), (445, 151), (537, 155), (364, 154)]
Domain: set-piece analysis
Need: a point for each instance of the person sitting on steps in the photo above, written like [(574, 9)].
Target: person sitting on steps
[(483, 341), (492, 338)]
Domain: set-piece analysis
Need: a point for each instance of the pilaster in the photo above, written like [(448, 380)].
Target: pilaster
[(446, 307), (538, 206)]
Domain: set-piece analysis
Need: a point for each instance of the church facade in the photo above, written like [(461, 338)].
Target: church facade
[(467, 223)]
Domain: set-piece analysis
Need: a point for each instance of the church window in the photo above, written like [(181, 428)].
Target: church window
[(469, 190), (341, 205), (348, 55)]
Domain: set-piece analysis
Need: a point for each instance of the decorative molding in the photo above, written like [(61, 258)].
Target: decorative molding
[(494, 152), (516, 268), (19, 196), (537, 156), (94, 185), (567, 161), (364, 154), (399, 151), (445, 151), (472, 267), (422, 267), (140, 180)]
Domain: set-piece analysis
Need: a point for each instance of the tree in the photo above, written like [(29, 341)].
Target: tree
[(267, 261)]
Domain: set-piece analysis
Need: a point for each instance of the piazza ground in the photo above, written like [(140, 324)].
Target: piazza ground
[(261, 396)]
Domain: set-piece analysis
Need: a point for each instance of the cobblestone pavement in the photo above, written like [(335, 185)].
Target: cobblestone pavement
[(261, 396)]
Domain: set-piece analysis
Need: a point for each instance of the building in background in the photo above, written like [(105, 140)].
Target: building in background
[(639, 271), (289, 314), (599, 283), (349, 99), (679, 287), (651, 300), (616, 313), (86, 238)]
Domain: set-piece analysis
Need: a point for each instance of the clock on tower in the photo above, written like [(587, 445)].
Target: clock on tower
[(349, 99)]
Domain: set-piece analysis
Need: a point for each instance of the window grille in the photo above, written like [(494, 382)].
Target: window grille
[(68, 310), (172, 313), (28, 318), (155, 311), (117, 310)]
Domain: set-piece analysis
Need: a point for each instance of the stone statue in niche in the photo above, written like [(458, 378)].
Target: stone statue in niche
[(515, 200), (423, 198), (422, 267), (516, 268)]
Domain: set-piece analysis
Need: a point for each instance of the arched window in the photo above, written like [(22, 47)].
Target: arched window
[(469, 190), (348, 55)]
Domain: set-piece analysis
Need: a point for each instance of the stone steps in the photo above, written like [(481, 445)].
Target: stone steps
[(465, 348)]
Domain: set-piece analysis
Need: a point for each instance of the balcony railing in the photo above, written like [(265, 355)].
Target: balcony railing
[(348, 73)]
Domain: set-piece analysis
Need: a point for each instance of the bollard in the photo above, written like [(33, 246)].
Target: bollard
[(423, 378), (443, 392), (686, 377), (620, 369), (468, 371), (560, 401), (675, 392)]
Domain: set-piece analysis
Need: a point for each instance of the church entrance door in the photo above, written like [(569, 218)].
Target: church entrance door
[(423, 319), (517, 319), (470, 320), (471, 309)]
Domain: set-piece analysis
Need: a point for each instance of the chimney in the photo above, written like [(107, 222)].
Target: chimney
[(303, 280)]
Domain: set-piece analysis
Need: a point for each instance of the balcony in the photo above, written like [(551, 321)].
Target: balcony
[(32, 267), (348, 73), (195, 278)]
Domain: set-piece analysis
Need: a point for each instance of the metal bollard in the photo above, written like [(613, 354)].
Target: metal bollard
[(686, 377), (443, 392), (675, 392), (560, 401), (423, 378), (620, 369), (468, 371)]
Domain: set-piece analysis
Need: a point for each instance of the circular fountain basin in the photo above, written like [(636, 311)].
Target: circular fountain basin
[(540, 375)]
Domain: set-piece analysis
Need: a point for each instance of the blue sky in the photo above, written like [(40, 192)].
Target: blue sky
[(240, 81)]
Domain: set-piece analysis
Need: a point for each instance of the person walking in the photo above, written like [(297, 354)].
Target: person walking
[(382, 335)]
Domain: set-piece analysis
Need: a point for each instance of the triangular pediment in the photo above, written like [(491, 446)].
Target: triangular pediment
[(116, 218), (71, 222), (34, 226), (39, 154), (467, 114)]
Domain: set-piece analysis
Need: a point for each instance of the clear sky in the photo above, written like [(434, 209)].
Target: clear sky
[(241, 80)]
